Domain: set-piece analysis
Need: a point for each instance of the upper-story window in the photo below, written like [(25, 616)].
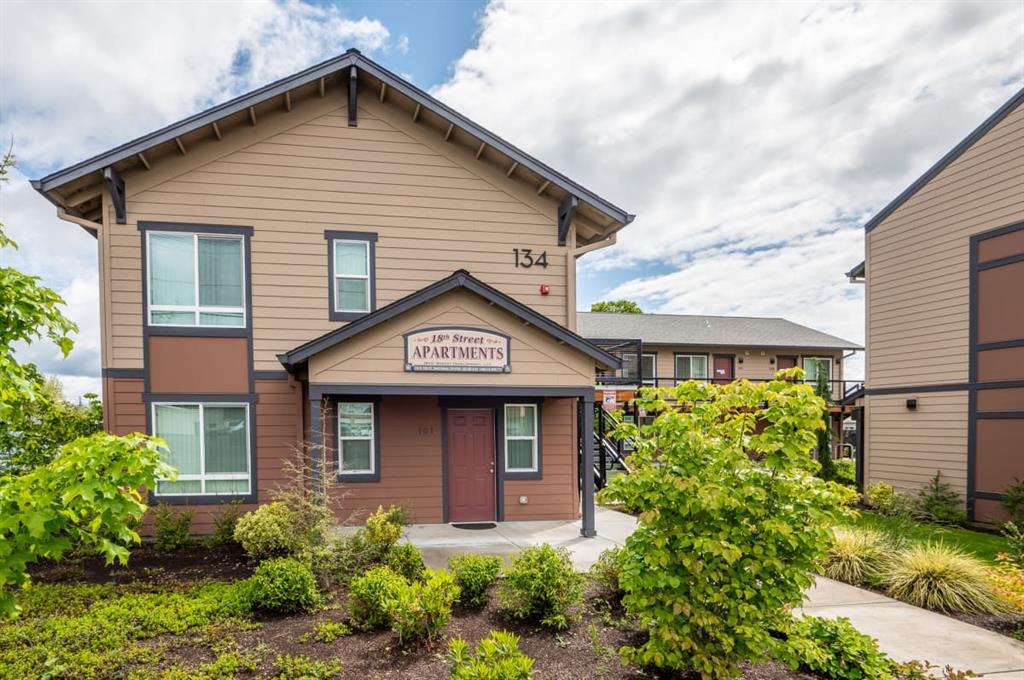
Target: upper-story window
[(195, 279), (816, 366), (352, 274), (691, 367), (631, 368)]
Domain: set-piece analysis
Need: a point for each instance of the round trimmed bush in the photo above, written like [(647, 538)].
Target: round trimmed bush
[(855, 555), (542, 586), (277, 529), (369, 595), (474, 575), (284, 586), (939, 577), (407, 560)]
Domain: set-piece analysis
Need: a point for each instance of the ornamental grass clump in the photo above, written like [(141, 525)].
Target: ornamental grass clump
[(733, 522), (856, 555), (941, 578)]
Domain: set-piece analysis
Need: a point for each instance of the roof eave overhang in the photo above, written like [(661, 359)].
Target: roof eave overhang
[(459, 279)]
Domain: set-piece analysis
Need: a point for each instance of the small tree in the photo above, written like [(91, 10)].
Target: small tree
[(732, 523), (823, 388), (617, 307)]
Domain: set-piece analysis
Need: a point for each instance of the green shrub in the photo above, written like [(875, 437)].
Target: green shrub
[(405, 559), (856, 555), (922, 670), (170, 527), (86, 498), (368, 596), (1014, 536), (277, 529), (303, 668), (474, 575), (1013, 500), (421, 608), (384, 527), (284, 585), (733, 522), (880, 496), (542, 586), (938, 502), (833, 648), (846, 471), (224, 523), (497, 657), (606, 571), (327, 631), (941, 578)]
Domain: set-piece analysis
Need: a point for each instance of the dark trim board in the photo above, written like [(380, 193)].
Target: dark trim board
[(270, 375), (370, 238), (460, 279), (124, 373), (318, 391), (149, 398), (954, 153), (945, 387)]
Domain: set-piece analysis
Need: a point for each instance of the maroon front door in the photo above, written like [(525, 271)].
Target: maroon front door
[(786, 362), (470, 465), (723, 369)]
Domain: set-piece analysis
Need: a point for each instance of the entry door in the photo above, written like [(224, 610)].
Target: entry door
[(470, 465), (786, 362), (723, 369)]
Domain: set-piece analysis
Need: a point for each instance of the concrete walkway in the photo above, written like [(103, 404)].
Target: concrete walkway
[(906, 632), (903, 631)]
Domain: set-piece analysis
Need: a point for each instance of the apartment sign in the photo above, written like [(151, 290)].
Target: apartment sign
[(457, 350)]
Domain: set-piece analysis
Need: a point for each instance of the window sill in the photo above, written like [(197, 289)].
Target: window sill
[(208, 499), (200, 331), (522, 475), (357, 478), (346, 316)]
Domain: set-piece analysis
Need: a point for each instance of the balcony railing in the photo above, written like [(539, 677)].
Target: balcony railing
[(841, 389)]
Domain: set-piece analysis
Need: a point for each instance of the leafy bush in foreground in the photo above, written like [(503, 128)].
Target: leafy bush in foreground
[(856, 555), (280, 529), (497, 657), (284, 585), (405, 559), (542, 586), (421, 608), (939, 577), (606, 572), (1007, 581), (368, 597), (474, 575), (87, 497), (833, 648), (170, 527), (733, 521)]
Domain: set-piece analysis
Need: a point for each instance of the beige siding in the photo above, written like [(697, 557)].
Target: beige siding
[(917, 261), (757, 363), (376, 356), (906, 448), (434, 207)]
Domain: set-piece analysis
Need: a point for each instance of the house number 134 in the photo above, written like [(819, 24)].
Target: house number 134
[(526, 259)]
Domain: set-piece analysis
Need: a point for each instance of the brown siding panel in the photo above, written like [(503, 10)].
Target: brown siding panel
[(1001, 364), (554, 496), (197, 365), (1001, 302), (1000, 454)]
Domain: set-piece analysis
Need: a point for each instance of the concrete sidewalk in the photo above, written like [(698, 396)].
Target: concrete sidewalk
[(906, 632)]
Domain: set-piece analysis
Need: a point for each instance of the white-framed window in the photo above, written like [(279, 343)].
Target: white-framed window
[(521, 438), (815, 366), (356, 438), (209, 445), (195, 279), (352, 285), (630, 369), (691, 367)]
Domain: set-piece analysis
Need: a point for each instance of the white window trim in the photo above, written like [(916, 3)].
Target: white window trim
[(372, 439), (675, 365), (366, 277), (195, 308), (830, 366), (532, 438), (203, 477), (652, 379)]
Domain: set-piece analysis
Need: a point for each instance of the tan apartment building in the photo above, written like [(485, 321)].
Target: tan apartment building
[(944, 275), (337, 262)]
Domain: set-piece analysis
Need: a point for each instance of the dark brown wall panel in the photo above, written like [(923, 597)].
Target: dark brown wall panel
[(198, 365), (998, 247), (1001, 303), (990, 512), (1000, 454), (1001, 364), (554, 496), (1006, 399)]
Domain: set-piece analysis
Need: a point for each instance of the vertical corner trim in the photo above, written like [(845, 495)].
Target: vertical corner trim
[(353, 86), (566, 210), (115, 185)]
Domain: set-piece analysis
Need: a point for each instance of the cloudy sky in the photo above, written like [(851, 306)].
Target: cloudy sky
[(752, 140)]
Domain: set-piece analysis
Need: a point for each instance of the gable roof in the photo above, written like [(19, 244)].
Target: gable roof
[(364, 67), (460, 279), (717, 331), (954, 153)]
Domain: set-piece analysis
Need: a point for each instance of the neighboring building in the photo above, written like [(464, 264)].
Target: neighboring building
[(675, 347), (944, 270), (339, 261)]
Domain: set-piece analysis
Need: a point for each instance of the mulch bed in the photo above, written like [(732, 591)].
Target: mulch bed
[(589, 650)]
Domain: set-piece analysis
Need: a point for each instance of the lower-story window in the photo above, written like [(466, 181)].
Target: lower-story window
[(355, 438), (209, 446), (521, 437)]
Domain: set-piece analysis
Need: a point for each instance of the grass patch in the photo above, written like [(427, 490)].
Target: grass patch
[(984, 546)]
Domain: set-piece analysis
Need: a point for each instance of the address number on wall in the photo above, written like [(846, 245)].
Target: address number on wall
[(526, 259)]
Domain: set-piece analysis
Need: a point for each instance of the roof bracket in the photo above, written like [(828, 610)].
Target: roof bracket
[(566, 210), (115, 185), (353, 86)]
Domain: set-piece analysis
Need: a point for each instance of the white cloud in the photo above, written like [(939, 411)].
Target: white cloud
[(752, 139), (77, 78)]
